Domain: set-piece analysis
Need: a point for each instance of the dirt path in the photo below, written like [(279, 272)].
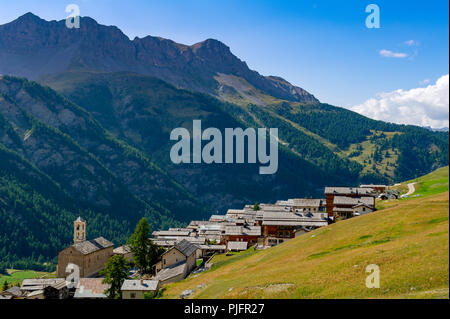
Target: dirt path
[(411, 189)]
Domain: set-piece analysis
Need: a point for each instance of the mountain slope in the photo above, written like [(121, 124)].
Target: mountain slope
[(33, 47), (330, 262), (56, 160), (143, 110), (134, 106)]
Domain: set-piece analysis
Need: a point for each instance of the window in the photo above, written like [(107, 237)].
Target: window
[(132, 295)]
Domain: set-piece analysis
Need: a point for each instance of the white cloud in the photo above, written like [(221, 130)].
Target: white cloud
[(390, 54), (411, 43), (424, 81), (427, 106)]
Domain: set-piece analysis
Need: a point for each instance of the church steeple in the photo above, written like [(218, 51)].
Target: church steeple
[(79, 230)]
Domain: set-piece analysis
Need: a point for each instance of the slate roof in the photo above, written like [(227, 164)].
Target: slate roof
[(343, 200), (169, 242), (186, 247), (171, 271), (135, 285), (293, 219), (91, 288), (170, 233), (348, 190), (273, 207), (164, 242), (38, 284), (212, 247), (243, 231), (218, 218), (302, 202), (122, 250), (90, 246), (237, 245), (235, 211), (14, 291), (342, 209)]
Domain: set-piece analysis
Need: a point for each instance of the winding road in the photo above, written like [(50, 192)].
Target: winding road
[(411, 189)]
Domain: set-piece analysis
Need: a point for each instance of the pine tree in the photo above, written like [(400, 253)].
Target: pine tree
[(139, 243), (115, 272)]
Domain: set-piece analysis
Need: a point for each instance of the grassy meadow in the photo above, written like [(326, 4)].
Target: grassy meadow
[(15, 276)]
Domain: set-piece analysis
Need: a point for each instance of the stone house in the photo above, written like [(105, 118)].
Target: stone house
[(351, 192), (89, 255), (135, 289), (177, 262)]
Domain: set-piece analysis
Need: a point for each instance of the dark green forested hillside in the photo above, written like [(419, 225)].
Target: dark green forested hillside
[(56, 160)]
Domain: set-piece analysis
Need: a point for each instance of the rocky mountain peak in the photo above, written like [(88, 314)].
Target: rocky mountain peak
[(32, 47)]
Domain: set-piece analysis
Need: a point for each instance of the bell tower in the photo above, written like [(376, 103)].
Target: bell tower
[(79, 230)]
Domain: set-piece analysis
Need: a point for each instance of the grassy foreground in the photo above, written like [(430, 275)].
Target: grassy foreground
[(16, 276), (408, 241)]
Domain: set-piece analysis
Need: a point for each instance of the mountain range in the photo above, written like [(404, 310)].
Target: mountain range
[(85, 119)]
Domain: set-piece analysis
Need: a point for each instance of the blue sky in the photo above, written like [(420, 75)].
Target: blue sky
[(322, 46)]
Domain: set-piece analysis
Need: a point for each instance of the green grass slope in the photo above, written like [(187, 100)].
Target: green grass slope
[(14, 276), (409, 242)]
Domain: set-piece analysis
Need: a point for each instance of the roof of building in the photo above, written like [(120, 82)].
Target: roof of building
[(122, 250), (342, 210), (293, 219), (365, 205), (90, 246), (272, 207), (300, 202), (141, 285), (37, 284), (164, 242), (218, 217), (14, 291), (212, 247), (348, 190), (186, 247), (171, 271), (35, 293), (235, 211), (344, 200), (179, 229), (169, 242), (169, 233), (243, 230), (237, 245), (295, 223), (80, 219), (91, 288)]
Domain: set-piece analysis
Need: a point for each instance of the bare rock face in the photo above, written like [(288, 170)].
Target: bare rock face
[(32, 47)]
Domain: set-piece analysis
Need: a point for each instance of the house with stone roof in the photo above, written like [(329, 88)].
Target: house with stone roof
[(337, 209), (177, 262), (90, 256), (135, 289), (347, 207)]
